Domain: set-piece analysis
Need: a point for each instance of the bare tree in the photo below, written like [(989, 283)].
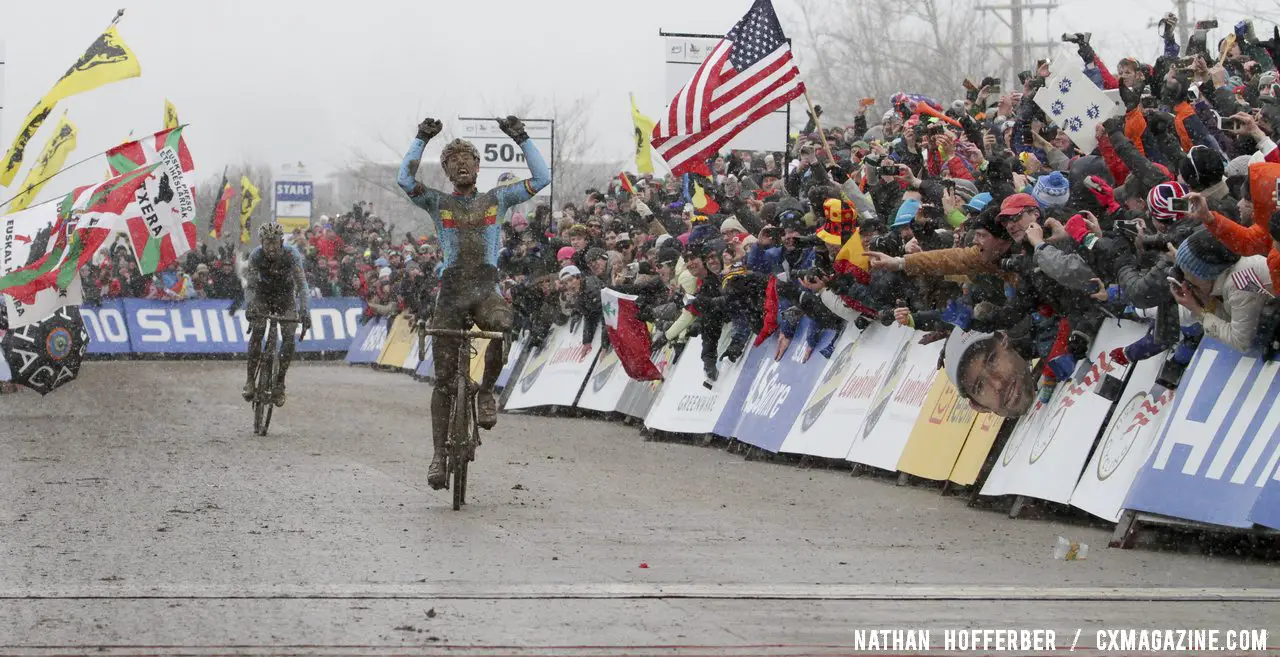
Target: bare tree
[(875, 48)]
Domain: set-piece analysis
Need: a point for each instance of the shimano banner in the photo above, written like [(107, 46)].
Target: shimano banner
[(202, 327), (1218, 447), (108, 330)]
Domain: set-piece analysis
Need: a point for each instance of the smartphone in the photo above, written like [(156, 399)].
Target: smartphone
[(1180, 205), (994, 88), (1173, 281), (1149, 102), (1095, 287), (889, 171), (1229, 123)]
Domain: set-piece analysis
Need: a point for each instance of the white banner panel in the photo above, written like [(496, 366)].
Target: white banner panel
[(552, 376), (884, 434)]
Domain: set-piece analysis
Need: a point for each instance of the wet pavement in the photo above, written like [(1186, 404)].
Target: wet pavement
[(143, 515)]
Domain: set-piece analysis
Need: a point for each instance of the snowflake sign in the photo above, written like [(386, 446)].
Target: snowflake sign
[(1064, 85), (1074, 124), (1057, 107), (1093, 112)]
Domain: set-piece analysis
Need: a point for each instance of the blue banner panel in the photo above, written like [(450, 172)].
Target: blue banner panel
[(777, 390), (108, 330), (1217, 449), (205, 327), (367, 343)]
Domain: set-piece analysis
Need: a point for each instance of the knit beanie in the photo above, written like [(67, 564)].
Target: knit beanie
[(1203, 167), (1204, 257), (906, 213), (1052, 190), (1159, 200)]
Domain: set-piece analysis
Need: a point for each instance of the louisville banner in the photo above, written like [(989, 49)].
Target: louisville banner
[(86, 219), (644, 128), (628, 335), (249, 198), (161, 237), (54, 155), (107, 60), (170, 116), (220, 209)]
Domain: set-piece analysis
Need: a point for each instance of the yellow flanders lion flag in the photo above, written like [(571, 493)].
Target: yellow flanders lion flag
[(107, 60), (249, 198), (644, 129), (54, 155), (170, 115)]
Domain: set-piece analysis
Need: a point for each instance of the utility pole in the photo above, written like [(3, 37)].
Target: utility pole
[(1018, 47), (1182, 24)]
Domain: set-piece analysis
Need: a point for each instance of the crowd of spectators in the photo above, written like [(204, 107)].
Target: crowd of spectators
[(989, 220)]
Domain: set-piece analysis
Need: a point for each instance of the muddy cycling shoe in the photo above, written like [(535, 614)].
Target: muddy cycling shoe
[(248, 392), (487, 409), (278, 396), (435, 474)]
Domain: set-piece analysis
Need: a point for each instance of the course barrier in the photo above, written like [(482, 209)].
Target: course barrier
[(139, 326), (1209, 456)]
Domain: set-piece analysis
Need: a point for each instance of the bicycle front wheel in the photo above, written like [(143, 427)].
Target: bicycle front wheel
[(267, 366)]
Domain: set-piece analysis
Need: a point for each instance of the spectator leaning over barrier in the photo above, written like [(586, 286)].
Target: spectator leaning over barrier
[(1221, 290)]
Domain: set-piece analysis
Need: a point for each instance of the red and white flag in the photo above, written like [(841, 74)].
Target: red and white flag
[(628, 335), (748, 75)]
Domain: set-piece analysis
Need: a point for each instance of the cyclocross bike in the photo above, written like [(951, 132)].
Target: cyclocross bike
[(464, 430), (268, 367)]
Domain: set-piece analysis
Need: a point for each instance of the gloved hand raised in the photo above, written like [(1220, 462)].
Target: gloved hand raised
[(429, 128), (513, 128)]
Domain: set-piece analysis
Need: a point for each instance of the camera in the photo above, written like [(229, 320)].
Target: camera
[(1211, 24), (1180, 205), (888, 170), (809, 241), (1128, 227), (935, 128), (1078, 38), (1013, 263), (1149, 102), (1157, 242)]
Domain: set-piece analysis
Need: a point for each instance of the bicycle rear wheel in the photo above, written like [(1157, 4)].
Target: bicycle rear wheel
[(267, 366)]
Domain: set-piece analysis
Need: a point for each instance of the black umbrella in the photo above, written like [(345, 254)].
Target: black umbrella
[(45, 355)]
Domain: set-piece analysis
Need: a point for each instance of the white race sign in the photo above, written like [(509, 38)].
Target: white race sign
[(499, 155)]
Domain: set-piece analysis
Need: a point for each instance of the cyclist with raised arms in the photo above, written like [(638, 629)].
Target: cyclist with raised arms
[(468, 225), (276, 284)]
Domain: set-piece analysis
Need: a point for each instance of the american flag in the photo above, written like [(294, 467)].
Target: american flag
[(749, 74), (1247, 280)]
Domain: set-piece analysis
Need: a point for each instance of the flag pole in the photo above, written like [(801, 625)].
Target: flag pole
[(217, 199), (830, 155), (119, 15)]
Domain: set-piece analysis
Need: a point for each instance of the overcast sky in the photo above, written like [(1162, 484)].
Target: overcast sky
[(274, 81)]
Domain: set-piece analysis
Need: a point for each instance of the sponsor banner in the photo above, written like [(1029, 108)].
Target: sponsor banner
[(830, 420), (1046, 453), (108, 330), (685, 405), (939, 433), (199, 327), (513, 361), (1266, 511), (412, 358), (986, 427), (778, 390), (398, 345), (884, 434), (1126, 443), (605, 385), (367, 344), (427, 366), (553, 376), (639, 396), (1219, 446)]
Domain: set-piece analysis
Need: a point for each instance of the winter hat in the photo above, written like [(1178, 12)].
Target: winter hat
[(668, 256), (1052, 191), (1158, 200), (988, 221), (1203, 256), (730, 224), (569, 271), (385, 272), (596, 253), (381, 262), (1203, 167), (979, 202), (1238, 166), (565, 253), (662, 239), (906, 213), (959, 344)]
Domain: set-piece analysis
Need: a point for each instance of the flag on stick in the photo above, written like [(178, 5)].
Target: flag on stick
[(160, 238), (107, 60), (748, 75), (644, 129), (170, 116), (220, 208), (628, 335), (249, 198), (54, 155), (626, 183)]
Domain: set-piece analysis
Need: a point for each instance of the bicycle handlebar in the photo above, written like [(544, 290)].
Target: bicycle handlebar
[(459, 333)]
